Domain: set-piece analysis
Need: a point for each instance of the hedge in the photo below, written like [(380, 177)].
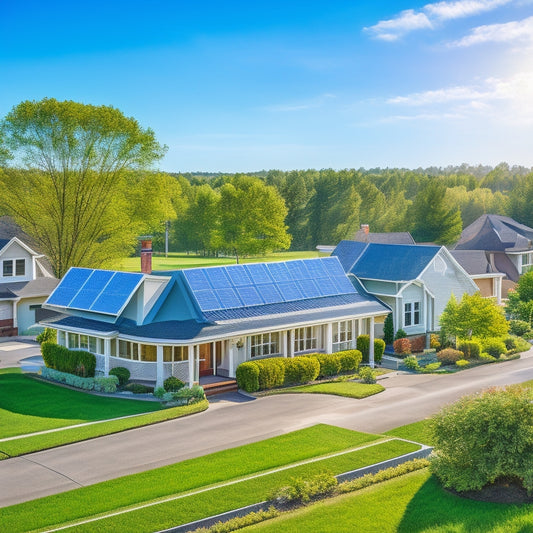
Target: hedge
[(301, 370), (99, 384), (247, 375), (271, 372), (78, 362), (363, 345), (330, 364), (379, 349), (350, 360)]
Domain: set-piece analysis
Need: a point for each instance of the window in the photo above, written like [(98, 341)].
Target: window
[(411, 315), (13, 267), (527, 262), (305, 339), (148, 352), (61, 337), (73, 341), (7, 269), (92, 345), (84, 342), (20, 267), (342, 335), (175, 353), (264, 344)]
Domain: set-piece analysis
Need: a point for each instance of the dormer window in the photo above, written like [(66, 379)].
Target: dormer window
[(13, 267)]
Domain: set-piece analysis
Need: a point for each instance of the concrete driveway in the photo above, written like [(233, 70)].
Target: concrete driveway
[(226, 424), (20, 351)]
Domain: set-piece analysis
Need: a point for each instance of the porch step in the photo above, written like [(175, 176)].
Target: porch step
[(219, 387)]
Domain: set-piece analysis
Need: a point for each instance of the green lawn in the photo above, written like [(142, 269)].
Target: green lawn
[(349, 389), (417, 431), (199, 473), (413, 503), (177, 261)]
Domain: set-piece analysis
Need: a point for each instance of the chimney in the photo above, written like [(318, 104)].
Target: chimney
[(365, 228), (146, 255)]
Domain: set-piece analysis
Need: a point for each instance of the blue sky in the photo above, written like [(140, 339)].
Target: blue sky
[(242, 86)]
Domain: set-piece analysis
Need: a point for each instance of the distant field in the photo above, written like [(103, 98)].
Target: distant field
[(176, 261)]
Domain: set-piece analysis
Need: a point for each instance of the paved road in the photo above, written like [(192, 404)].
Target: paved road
[(407, 398)]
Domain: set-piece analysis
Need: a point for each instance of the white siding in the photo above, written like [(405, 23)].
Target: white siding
[(14, 252)]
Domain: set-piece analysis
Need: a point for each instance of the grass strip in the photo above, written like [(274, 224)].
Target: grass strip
[(28, 405), (348, 389), (248, 491), (181, 477), (68, 436), (415, 503), (418, 431)]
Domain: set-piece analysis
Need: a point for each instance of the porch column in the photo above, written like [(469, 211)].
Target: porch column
[(66, 340), (231, 359), (159, 367), (107, 353), (371, 347), (354, 335), (284, 347), (15, 318), (360, 330), (214, 357), (427, 326), (498, 283), (329, 338), (190, 355), (290, 338)]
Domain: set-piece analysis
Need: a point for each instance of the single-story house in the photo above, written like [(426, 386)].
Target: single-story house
[(206, 321), (25, 281), (392, 237), (415, 281)]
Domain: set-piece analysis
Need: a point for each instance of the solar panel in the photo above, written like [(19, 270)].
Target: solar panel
[(343, 285), (290, 291), (297, 270), (332, 266), (238, 275), (91, 289), (116, 293), (279, 272), (249, 296), (228, 298), (196, 279), (326, 287), (207, 300), (269, 293), (258, 273), (69, 286), (217, 277), (309, 288), (315, 268)]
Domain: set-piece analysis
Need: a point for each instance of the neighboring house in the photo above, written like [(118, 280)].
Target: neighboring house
[(398, 237), (506, 243), (206, 321), (478, 267), (415, 281), (25, 280)]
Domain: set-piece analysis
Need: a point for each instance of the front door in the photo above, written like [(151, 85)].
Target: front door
[(206, 359)]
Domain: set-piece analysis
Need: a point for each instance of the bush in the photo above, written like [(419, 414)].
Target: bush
[(431, 367), (189, 396), (449, 356), (138, 388), (379, 348), (47, 335), (518, 327), (411, 362), (402, 346), (103, 384), (173, 384), (159, 392), (418, 344), (434, 342), (301, 369), (247, 375), (350, 360), (494, 347), (271, 372), (123, 375), (462, 362), (470, 349), (330, 364), (77, 362), (302, 490), (367, 375), (240, 522), (67, 378), (363, 345), (486, 357), (388, 329), (485, 437), (510, 342), (400, 334)]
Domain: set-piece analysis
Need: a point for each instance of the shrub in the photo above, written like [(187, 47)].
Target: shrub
[(68, 379), (103, 384), (418, 344), (402, 346), (123, 375), (330, 364), (367, 375), (159, 392), (301, 370), (434, 342), (247, 375), (60, 358), (363, 345), (173, 384), (411, 362), (271, 372), (431, 367), (350, 360), (518, 327), (302, 490), (470, 349), (510, 342), (485, 437), (449, 356), (400, 334), (494, 347), (388, 329), (462, 362), (189, 396), (379, 348), (47, 335), (486, 357), (138, 388), (240, 522)]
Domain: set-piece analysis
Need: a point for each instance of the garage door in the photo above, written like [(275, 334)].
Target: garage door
[(6, 310)]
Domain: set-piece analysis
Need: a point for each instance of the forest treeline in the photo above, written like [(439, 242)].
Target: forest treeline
[(325, 206)]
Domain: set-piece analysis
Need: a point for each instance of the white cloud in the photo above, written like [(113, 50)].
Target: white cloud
[(462, 8), (405, 22), (520, 30)]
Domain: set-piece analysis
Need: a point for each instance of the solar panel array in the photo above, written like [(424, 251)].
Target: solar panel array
[(101, 291), (229, 287)]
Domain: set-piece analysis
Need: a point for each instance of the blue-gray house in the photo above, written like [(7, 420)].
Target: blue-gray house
[(206, 321)]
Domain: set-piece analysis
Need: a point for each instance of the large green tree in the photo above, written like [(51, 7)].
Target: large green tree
[(520, 303), (71, 194)]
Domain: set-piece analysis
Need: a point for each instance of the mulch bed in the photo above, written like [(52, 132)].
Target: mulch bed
[(501, 491)]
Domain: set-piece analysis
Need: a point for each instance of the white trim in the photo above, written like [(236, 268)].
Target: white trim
[(20, 243)]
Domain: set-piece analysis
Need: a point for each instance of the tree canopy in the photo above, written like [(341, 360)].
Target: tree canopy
[(72, 194), (520, 303)]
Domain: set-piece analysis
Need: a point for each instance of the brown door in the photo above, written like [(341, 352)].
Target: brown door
[(206, 360)]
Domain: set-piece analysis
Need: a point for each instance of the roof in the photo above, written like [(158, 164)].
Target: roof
[(496, 233), (475, 262), (386, 262), (30, 289), (398, 237)]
